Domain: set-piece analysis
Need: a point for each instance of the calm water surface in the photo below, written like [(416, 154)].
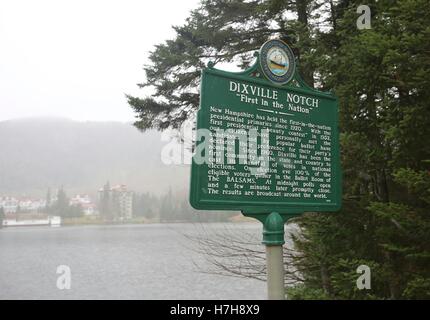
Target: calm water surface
[(155, 261)]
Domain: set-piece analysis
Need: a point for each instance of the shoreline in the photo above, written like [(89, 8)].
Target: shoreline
[(84, 221)]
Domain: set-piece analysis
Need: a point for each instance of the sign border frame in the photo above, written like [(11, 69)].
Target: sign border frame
[(258, 208)]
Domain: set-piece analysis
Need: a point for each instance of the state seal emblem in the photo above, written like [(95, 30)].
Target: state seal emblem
[(277, 61)]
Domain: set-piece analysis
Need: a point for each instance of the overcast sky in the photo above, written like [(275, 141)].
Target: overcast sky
[(77, 58)]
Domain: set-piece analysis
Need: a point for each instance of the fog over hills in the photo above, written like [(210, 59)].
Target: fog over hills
[(41, 153)]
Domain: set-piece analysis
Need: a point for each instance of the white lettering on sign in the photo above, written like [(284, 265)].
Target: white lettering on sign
[(259, 96), (292, 159), (307, 101), (243, 88)]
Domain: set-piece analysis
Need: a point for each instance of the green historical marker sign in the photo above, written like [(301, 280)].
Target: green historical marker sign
[(266, 142)]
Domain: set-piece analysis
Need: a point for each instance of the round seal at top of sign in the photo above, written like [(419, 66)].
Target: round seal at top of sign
[(277, 61)]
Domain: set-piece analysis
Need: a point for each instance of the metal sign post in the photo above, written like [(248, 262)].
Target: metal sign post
[(273, 238), (275, 272)]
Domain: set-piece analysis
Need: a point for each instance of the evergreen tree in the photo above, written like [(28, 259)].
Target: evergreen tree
[(167, 210), (75, 211), (391, 126), (218, 31), (380, 76), (105, 202), (2, 216), (149, 202), (62, 205), (137, 209), (143, 205), (48, 200)]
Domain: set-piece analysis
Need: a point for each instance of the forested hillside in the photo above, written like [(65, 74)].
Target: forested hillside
[(37, 154)]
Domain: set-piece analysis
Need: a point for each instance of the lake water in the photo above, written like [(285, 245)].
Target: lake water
[(154, 261)]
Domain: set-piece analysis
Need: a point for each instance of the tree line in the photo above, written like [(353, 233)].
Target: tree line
[(172, 207), (61, 206), (2, 217)]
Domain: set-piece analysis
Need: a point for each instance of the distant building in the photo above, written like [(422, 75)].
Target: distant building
[(9, 204), (32, 205), (25, 205), (116, 202), (80, 200), (85, 202)]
